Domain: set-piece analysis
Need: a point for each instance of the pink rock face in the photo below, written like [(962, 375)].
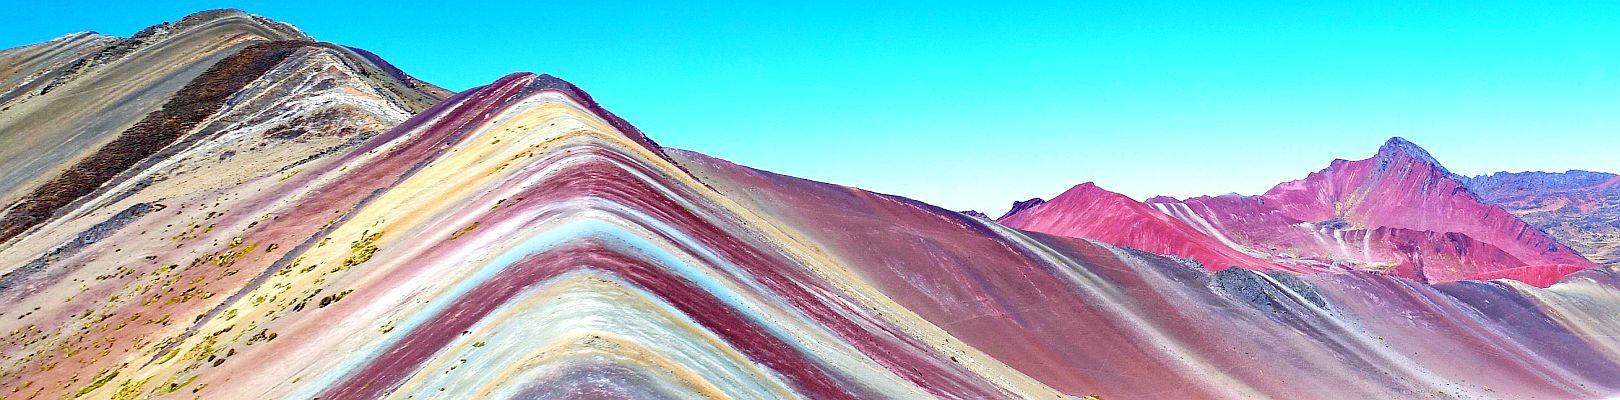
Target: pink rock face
[(1398, 212), (1403, 187), (1539, 275), (1439, 256), (1088, 211), (1252, 224)]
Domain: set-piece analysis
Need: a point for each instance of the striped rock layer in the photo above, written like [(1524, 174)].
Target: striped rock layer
[(518, 241)]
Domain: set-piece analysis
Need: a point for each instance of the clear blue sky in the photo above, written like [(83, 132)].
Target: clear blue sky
[(973, 105)]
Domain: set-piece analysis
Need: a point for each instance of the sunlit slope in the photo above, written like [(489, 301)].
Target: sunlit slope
[(1091, 318), (513, 241)]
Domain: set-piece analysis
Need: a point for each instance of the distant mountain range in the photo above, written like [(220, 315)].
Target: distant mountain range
[(1580, 208), (1399, 212), (223, 207)]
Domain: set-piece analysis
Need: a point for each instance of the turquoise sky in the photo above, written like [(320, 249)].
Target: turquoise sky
[(974, 105)]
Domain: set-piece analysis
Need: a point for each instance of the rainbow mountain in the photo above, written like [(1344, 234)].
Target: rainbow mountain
[(222, 207)]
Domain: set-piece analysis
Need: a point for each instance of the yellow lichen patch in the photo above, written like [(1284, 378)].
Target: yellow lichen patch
[(174, 385), (362, 250), (204, 350), (464, 230), (96, 383), (129, 390), (264, 335), (1379, 266), (329, 299), (192, 232)]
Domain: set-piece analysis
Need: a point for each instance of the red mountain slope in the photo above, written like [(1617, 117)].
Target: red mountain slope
[(1398, 212), (1403, 187), (1088, 211)]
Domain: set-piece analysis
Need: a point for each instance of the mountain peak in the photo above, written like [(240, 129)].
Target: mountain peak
[(1078, 193), (547, 82), (1083, 188), (240, 20), (1400, 147), (215, 13)]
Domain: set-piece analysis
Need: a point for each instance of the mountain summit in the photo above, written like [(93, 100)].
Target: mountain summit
[(1397, 148), (1403, 187)]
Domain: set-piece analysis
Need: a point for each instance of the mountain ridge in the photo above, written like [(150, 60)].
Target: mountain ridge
[(1581, 208)]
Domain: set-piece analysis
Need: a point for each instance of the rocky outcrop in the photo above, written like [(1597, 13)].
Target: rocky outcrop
[(974, 214), (1020, 206)]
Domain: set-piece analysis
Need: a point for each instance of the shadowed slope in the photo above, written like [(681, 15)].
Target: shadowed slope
[(187, 108), (92, 98), (77, 115)]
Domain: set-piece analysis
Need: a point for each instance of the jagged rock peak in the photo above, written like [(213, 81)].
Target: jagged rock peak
[(1019, 206), (1571, 177), (1398, 147)]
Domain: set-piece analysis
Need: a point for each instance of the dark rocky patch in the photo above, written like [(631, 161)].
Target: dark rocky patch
[(1023, 205), (102, 230), (1255, 291), (200, 98)]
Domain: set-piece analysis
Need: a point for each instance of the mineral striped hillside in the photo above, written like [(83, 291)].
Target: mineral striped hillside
[(224, 208)]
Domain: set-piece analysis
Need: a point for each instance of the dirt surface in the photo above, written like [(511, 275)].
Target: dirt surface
[(198, 100)]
